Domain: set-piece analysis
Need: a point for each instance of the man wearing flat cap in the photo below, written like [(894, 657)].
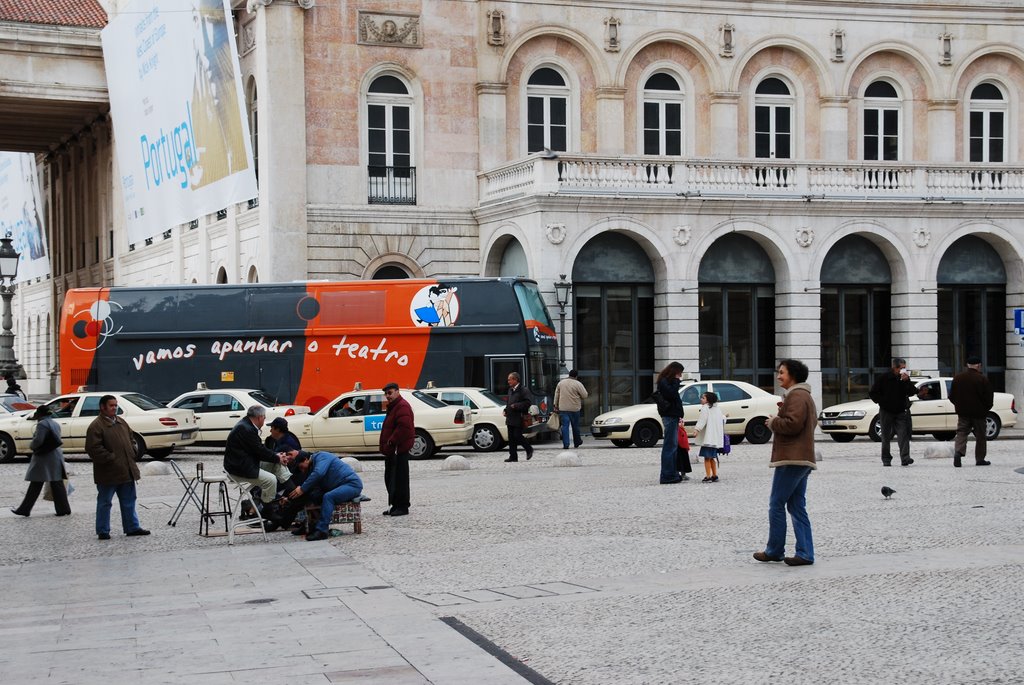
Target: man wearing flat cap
[(971, 394)]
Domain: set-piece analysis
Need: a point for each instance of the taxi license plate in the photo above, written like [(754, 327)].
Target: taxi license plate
[(186, 435), (828, 422)]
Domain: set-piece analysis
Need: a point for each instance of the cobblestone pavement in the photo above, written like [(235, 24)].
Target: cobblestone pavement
[(597, 574)]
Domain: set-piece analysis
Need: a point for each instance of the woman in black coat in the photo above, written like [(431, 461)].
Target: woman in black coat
[(46, 466)]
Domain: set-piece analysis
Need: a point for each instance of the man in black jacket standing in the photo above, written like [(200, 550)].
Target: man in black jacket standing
[(971, 394), (517, 408), (249, 461), (891, 392)]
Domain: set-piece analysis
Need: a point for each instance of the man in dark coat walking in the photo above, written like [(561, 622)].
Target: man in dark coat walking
[(397, 436), (891, 392), (517, 408), (108, 442), (971, 394)]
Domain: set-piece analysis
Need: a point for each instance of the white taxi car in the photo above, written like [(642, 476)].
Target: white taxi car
[(220, 409), (931, 412), (352, 423), (746, 408), (157, 429), (489, 429)]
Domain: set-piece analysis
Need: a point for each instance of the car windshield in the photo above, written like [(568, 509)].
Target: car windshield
[(263, 398), (144, 402), (428, 400)]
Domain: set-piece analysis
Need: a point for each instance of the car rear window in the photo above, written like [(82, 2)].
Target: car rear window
[(428, 400), (144, 402), (263, 398)]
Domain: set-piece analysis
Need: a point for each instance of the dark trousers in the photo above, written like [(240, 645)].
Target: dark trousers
[(683, 461), (515, 437), (396, 480), (60, 498), (898, 423), (966, 425)]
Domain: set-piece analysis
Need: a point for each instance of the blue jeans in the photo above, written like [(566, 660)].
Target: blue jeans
[(668, 448), (567, 420), (789, 490), (126, 501), (345, 492)]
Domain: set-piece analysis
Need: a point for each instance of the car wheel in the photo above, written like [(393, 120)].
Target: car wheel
[(160, 453), (992, 427), (486, 438), (944, 436), (875, 429), (758, 432), (842, 437), (422, 446), (736, 439), (646, 434), (622, 442), (7, 449), (139, 445)]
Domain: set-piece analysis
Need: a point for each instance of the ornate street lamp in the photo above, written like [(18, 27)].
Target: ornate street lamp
[(8, 272), (563, 289)]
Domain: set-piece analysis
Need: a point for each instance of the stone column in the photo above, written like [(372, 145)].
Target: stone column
[(915, 326), (834, 125), (281, 85), (675, 324), (611, 120), (798, 327), (1014, 342), (724, 125), (941, 131), (490, 98)]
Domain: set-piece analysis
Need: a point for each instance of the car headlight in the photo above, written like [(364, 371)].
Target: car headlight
[(614, 419), (852, 414)]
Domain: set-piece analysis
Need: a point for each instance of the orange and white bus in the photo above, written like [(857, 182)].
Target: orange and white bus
[(305, 343)]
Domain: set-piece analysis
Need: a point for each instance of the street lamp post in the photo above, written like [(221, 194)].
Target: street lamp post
[(562, 290), (8, 272)]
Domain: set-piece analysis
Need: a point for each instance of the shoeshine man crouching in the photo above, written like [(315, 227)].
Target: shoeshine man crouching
[(327, 473)]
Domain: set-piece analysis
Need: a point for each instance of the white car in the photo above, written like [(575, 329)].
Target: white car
[(489, 429), (931, 412), (746, 408), (352, 423), (157, 429), (12, 404), (218, 410)]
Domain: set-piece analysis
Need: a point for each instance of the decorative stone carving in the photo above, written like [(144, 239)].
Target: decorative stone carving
[(611, 34), (922, 236), (726, 35), (555, 233), (838, 51), (804, 236), (248, 38), (681, 234), (392, 29), (495, 27), (946, 49), (253, 5)]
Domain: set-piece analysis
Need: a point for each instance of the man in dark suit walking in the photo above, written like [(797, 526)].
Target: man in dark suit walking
[(517, 408)]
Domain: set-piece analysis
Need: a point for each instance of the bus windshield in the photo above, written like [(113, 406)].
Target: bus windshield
[(531, 304)]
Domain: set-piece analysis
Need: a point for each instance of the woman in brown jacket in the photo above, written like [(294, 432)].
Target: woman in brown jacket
[(793, 460)]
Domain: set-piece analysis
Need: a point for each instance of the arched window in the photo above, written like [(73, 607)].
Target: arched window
[(389, 109), (547, 111), (987, 124), (773, 119), (883, 121), (222, 275), (389, 271), (663, 115), (254, 275)]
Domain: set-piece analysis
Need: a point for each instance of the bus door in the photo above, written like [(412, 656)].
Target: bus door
[(500, 368), (275, 378)]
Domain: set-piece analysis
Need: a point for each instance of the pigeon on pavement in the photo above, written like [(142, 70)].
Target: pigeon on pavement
[(887, 491)]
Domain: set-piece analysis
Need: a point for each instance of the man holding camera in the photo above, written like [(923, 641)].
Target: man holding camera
[(891, 392)]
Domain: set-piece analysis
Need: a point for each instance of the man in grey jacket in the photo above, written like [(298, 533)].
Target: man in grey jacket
[(569, 396)]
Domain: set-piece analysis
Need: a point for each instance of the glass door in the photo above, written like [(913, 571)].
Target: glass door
[(737, 334), (971, 321), (855, 335)]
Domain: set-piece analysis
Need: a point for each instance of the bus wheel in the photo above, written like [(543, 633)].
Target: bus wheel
[(622, 442), (486, 438), (140, 446), (646, 434), (7, 448), (422, 446), (160, 453)]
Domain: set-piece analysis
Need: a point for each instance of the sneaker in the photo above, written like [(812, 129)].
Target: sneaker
[(761, 556)]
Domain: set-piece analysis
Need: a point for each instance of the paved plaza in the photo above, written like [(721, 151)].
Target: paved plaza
[(516, 573)]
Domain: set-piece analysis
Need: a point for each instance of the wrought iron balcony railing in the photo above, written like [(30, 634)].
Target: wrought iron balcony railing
[(389, 185)]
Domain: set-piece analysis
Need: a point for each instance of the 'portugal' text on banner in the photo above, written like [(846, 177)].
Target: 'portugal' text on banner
[(176, 101)]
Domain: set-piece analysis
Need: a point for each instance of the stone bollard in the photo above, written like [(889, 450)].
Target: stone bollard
[(818, 455), (938, 450), (155, 468), (356, 465), (567, 458), (456, 462)]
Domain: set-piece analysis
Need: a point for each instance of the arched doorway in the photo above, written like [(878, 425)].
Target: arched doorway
[(613, 324), (737, 312), (513, 260), (855, 319), (972, 309)]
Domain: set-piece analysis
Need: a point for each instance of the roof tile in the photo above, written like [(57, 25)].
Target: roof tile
[(87, 13)]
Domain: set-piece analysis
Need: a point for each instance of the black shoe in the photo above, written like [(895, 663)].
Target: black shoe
[(63, 513), (707, 479), (103, 536), (956, 461), (906, 462), (271, 526), (684, 477), (714, 479), (983, 463), (137, 531), (512, 459), (887, 463), (301, 530), (529, 455), (387, 512), (395, 511), (797, 561), (578, 445), (19, 513), (316, 535), (671, 482)]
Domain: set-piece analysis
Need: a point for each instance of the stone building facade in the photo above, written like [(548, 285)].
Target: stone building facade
[(725, 185)]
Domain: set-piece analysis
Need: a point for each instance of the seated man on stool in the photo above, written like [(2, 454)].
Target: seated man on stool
[(325, 472), (249, 461)]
